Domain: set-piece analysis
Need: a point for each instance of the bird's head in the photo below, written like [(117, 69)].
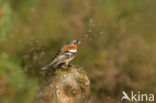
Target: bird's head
[(73, 43)]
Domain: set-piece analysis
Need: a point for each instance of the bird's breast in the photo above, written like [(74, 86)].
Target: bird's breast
[(73, 50)]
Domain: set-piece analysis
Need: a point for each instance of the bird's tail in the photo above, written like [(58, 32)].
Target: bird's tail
[(51, 64)]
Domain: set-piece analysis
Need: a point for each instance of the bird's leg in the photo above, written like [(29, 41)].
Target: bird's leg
[(67, 63)]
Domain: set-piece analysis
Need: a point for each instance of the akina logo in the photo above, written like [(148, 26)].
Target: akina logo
[(140, 97)]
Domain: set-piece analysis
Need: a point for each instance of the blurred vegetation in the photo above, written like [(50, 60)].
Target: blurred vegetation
[(118, 50)]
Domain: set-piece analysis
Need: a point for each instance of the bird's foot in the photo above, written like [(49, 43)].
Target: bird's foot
[(69, 65)]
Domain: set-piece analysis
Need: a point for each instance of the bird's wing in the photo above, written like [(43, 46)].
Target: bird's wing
[(63, 56), (60, 57), (53, 61)]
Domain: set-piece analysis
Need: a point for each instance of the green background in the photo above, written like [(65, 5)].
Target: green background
[(118, 51)]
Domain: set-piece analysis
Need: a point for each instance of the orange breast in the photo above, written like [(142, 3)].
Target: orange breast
[(66, 47)]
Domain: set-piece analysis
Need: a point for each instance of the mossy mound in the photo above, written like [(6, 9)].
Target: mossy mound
[(67, 84)]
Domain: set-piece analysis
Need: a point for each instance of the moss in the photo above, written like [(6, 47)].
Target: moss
[(67, 85)]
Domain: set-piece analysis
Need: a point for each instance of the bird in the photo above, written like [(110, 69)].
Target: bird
[(65, 55)]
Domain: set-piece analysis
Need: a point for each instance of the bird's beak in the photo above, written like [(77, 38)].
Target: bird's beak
[(79, 42)]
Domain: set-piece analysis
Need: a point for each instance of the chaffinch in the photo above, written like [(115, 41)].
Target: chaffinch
[(66, 54)]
